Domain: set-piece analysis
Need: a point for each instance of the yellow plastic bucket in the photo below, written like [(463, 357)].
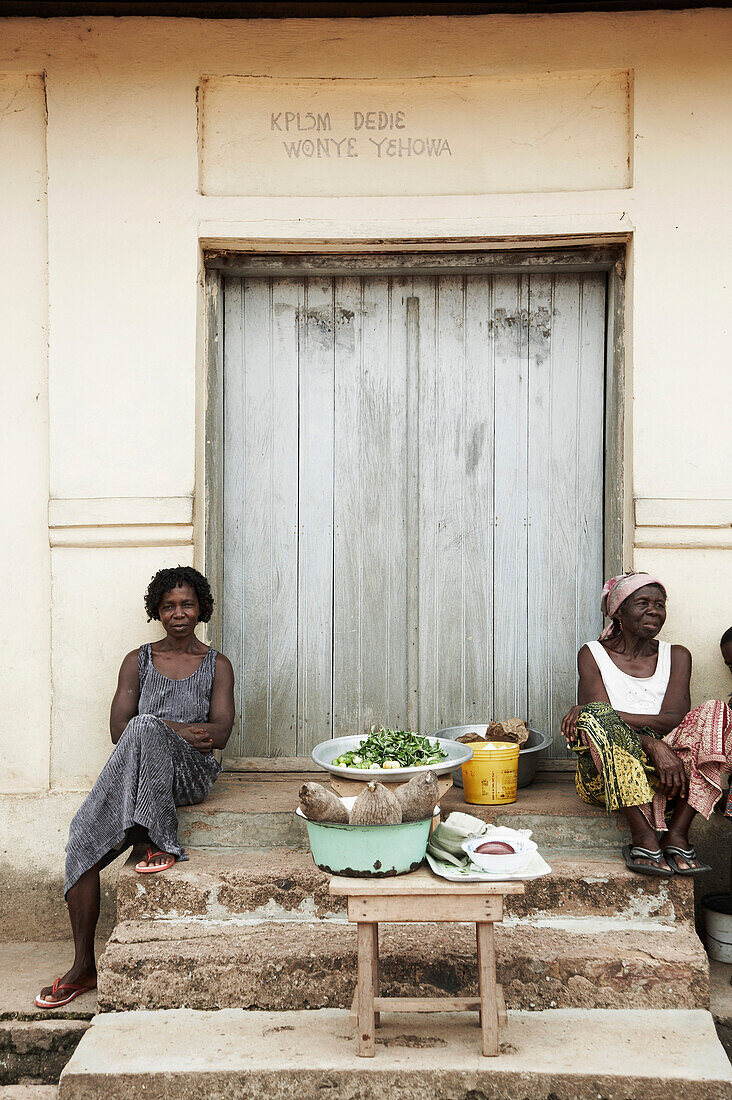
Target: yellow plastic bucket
[(490, 778)]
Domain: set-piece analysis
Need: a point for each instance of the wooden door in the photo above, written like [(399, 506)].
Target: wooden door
[(413, 499)]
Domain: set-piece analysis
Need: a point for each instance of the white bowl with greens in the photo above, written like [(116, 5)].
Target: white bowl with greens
[(389, 755)]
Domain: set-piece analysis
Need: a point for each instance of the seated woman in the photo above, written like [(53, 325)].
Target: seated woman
[(725, 645), (173, 706), (639, 749)]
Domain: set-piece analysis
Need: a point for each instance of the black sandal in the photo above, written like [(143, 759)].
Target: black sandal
[(635, 852), (673, 854)]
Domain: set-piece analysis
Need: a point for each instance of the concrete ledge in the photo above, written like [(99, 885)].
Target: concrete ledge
[(572, 1054), (37, 1050), (28, 1092), (36, 1043), (720, 995), (282, 966), (282, 884), (26, 967), (252, 810)]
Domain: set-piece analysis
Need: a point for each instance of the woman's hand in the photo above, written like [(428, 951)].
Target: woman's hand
[(569, 725), (196, 736), (669, 767)]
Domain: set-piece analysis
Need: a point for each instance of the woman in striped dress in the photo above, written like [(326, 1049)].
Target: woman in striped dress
[(173, 706)]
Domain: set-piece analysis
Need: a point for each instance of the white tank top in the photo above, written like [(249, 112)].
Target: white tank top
[(633, 694)]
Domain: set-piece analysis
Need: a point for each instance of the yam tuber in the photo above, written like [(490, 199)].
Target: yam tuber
[(418, 797), (320, 804), (375, 806)]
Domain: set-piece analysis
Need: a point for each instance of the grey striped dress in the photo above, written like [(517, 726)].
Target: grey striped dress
[(150, 772)]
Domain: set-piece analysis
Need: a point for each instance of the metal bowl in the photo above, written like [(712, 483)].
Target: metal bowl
[(528, 754), (327, 751)]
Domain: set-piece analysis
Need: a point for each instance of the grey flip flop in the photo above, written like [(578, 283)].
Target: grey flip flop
[(634, 852), (671, 853)]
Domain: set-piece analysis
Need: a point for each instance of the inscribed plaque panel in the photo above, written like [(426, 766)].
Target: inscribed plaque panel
[(543, 132)]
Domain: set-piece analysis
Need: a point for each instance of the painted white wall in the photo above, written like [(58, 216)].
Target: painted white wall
[(124, 228), (98, 609), (25, 590)]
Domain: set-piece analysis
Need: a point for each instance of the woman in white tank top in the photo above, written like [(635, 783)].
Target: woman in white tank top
[(637, 744)]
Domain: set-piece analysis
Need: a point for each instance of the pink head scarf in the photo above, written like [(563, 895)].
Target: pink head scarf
[(618, 589)]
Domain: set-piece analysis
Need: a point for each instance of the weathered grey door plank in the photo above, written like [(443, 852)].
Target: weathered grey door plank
[(449, 518), (540, 486), (510, 574), (425, 290), (477, 475), (315, 641), (287, 300), (590, 456), (232, 596)]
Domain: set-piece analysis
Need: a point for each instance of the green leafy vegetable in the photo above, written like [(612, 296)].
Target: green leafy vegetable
[(392, 749)]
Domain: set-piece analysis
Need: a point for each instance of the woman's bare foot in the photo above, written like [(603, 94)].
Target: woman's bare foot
[(158, 859), (85, 975), (677, 835), (644, 837), (152, 859), (679, 838)]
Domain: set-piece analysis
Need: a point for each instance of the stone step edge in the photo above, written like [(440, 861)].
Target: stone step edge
[(228, 828), (35, 1051), (283, 885), (276, 1055), (291, 967)]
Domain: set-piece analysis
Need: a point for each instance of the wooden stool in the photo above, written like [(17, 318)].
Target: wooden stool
[(422, 896)]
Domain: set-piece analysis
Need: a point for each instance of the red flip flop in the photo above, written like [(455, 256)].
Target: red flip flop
[(76, 991), (151, 853)]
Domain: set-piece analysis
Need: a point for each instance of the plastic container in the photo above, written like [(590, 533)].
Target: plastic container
[(717, 910), (528, 754), (368, 851), (491, 777)]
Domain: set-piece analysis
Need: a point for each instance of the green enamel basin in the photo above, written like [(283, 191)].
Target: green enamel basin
[(366, 851)]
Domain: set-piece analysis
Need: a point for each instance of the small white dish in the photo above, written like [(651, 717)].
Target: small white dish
[(535, 868), (509, 863)]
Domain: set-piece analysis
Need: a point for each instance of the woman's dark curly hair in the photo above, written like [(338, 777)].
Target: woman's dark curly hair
[(167, 579)]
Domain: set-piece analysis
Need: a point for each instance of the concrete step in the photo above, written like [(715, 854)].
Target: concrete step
[(572, 1054), (283, 965), (28, 1092), (720, 995), (255, 810), (37, 1050), (282, 884), (36, 1043)]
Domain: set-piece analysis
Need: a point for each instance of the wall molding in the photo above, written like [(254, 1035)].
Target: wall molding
[(120, 521), (161, 534), (676, 512), (119, 511), (674, 523)]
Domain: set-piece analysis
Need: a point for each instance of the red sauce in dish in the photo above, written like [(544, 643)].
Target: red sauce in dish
[(496, 848)]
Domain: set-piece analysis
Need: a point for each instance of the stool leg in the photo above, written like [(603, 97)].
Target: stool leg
[(366, 1023), (487, 986), (375, 972)]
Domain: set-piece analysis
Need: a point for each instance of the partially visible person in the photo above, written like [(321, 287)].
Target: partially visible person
[(173, 706), (640, 749), (725, 645)]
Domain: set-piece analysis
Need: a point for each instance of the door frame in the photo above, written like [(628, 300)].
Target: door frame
[(400, 258)]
